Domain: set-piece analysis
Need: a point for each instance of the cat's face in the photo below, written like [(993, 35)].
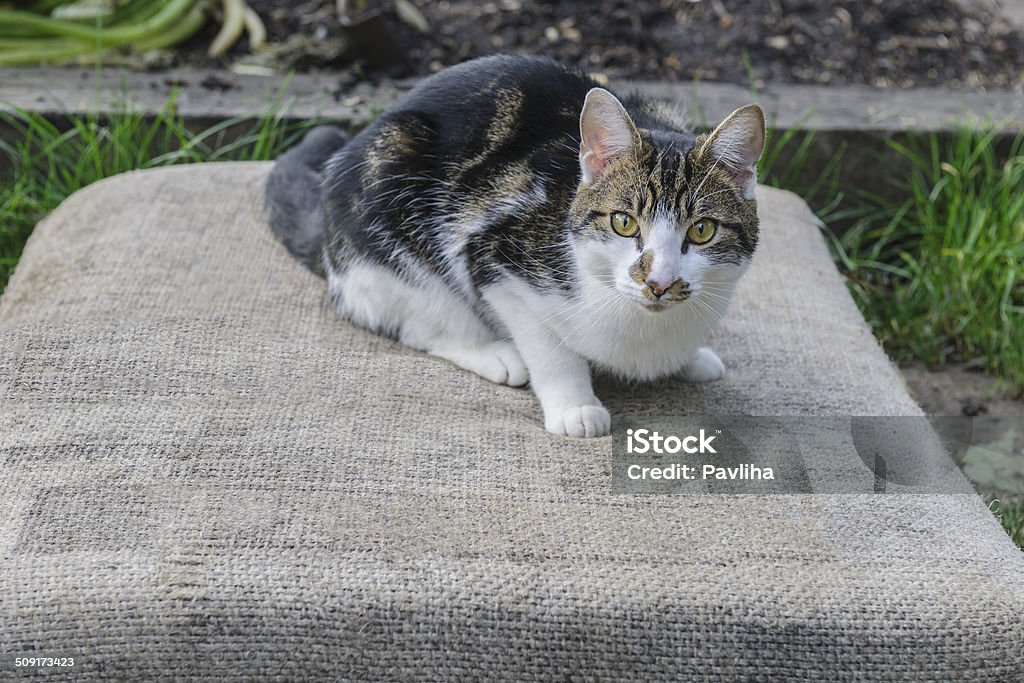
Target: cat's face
[(661, 218)]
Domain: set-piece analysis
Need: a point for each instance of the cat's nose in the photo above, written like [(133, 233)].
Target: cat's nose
[(658, 288)]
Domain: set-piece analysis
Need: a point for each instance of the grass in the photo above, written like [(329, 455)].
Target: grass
[(1010, 514), (786, 164), (48, 161), (940, 275)]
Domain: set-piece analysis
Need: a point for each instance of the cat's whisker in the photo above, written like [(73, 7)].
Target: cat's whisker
[(571, 306), (616, 306), (707, 174), (551, 277), (724, 294), (697, 311), (716, 316), (712, 194), (597, 314), (717, 290), (570, 275)]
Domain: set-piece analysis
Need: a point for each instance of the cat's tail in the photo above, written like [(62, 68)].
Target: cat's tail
[(294, 197)]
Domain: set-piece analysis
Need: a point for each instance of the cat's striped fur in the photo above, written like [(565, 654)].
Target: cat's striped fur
[(475, 220)]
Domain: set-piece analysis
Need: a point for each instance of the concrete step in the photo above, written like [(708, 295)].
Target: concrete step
[(203, 94)]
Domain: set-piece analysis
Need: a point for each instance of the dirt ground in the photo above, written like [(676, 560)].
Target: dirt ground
[(996, 466), (957, 390), (896, 43), (997, 423)]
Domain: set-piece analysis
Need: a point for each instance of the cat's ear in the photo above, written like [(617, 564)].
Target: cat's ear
[(736, 146), (606, 133)]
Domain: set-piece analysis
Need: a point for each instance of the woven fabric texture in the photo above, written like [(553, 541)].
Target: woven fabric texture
[(205, 473)]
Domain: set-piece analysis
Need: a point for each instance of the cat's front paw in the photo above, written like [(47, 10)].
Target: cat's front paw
[(506, 366), (498, 362), (706, 366), (578, 421)]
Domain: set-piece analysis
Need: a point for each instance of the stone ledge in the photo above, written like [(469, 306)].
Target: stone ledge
[(205, 95)]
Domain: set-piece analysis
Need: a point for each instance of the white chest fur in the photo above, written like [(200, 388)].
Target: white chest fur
[(621, 336), (636, 343)]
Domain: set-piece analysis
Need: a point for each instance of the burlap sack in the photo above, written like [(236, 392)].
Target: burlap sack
[(205, 473)]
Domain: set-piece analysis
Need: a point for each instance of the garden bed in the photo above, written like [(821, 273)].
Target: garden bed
[(909, 43)]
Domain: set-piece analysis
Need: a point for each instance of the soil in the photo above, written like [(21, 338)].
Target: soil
[(996, 425), (896, 43), (957, 389)]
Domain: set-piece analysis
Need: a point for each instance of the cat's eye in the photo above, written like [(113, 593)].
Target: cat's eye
[(702, 231), (624, 224)]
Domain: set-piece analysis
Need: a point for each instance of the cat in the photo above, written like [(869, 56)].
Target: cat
[(517, 219)]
